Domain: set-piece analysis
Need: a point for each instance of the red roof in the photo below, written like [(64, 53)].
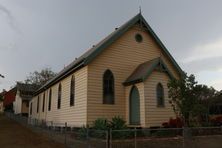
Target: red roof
[(9, 97)]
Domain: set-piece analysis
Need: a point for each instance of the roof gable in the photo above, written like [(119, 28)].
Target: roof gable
[(143, 71), (92, 53)]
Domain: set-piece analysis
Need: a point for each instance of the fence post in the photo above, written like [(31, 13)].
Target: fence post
[(87, 137), (110, 138), (65, 131), (135, 136), (183, 137), (107, 139)]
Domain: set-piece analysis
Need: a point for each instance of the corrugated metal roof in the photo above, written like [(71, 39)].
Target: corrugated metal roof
[(89, 55)]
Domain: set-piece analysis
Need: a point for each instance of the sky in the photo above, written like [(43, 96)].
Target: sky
[(52, 33)]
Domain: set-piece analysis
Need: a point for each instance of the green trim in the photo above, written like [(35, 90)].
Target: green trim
[(149, 71), (111, 39), (121, 31), (162, 46), (86, 58)]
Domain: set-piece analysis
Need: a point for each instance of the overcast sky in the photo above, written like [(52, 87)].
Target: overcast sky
[(36, 34)]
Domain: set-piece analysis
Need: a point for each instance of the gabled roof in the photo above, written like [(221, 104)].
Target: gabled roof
[(92, 53), (26, 90), (143, 71)]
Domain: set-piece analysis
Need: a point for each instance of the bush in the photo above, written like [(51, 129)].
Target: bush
[(173, 123), (82, 133), (118, 123), (217, 121), (101, 124)]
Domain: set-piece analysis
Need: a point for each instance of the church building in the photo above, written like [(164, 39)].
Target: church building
[(125, 74)]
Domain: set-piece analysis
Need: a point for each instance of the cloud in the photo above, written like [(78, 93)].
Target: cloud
[(205, 51), (10, 19), (206, 64), (217, 84)]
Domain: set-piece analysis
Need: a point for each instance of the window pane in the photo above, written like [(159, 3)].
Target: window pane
[(108, 87), (160, 95)]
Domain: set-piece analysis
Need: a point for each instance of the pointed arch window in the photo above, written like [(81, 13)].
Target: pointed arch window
[(160, 95), (72, 91), (43, 103), (59, 96), (108, 87), (31, 108), (37, 105), (50, 99)]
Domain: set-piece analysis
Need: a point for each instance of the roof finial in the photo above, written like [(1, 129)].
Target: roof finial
[(140, 10)]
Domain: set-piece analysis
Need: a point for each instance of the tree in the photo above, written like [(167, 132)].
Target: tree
[(40, 77), (186, 97)]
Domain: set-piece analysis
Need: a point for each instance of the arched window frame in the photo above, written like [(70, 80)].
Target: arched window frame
[(31, 108), (160, 95), (37, 105), (59, 96), (108, 87), (43, 103), (50, 99), (72, 91)]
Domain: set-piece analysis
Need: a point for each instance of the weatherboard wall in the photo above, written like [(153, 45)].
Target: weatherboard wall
[(155, 115), (73, 115), (122, 57), (17, 104)]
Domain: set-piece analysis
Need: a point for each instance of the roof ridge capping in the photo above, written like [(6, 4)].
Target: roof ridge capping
[(92, 53)]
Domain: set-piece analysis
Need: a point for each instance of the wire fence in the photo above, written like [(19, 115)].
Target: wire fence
[(68, 135), (194, 137)]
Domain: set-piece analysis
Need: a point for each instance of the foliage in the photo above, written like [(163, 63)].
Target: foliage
[(118, 123), (217, 121), (83, 132), (9, 108), (101, 124), (173, 123), (40, 77), (187, 97)]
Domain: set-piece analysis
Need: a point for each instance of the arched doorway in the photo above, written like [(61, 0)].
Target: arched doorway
[(134, 106)]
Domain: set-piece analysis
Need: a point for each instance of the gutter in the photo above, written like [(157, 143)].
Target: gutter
[(63, 75)]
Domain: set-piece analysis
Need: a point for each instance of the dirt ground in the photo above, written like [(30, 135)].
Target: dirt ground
[(14, 135)]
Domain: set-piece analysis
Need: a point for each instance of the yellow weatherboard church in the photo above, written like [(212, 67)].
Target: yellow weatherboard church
[(126, 75)]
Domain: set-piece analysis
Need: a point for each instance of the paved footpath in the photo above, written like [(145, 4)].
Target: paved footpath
[(14, 135)]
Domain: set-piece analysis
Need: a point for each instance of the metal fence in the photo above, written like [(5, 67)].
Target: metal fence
[(195, 137)]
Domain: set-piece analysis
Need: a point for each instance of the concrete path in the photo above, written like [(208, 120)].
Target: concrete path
[(14, 135)]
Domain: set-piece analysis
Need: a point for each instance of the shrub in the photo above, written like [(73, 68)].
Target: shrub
[(118, 123), (82, 133), (173, 123), (217, 121), (101, 124)]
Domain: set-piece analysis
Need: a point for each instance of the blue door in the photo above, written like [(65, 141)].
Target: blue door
[(134, 106)]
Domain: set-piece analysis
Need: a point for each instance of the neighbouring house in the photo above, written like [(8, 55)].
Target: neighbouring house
[(1, 106), (9, 98), (1, 101), (126, 75), (24, 93)]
